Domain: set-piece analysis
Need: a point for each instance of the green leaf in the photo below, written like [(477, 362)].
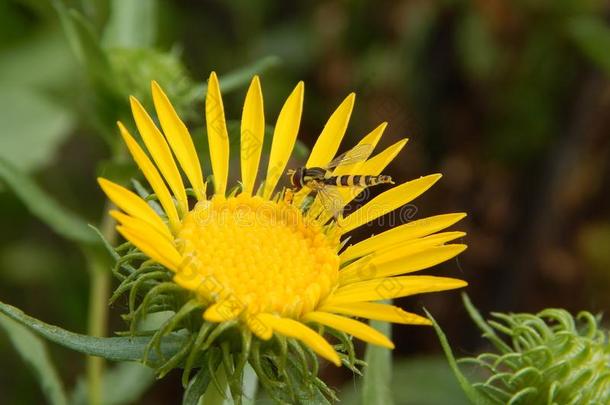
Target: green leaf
[(110, 348), (378, 373), (122, 384), (34, 352), (249, 386), (217, 393), (473, 395), (33, 127), (44, 207), (132, 24), (592, 36)]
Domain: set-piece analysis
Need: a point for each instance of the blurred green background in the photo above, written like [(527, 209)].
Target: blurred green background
[(510, 100)]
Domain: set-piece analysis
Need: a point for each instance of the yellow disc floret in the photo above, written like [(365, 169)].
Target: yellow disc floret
[(259, 255)]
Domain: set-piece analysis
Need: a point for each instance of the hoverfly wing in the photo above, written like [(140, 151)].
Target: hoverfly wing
[(331, 200), (357, 154)]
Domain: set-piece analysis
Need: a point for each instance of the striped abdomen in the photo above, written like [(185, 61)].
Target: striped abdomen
[(358, 180)]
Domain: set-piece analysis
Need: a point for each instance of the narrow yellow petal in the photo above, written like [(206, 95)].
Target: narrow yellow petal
[(284, 137), (392, 287), (378, 312), (258, 327), (351, 326), (297, 330), (151, 247), (409, 263), (224, 310), (160, 152), (218, 136), (402, 233), (403, 249), (179, 139), (153, 178), (388, 201), (139, 225), (133, 205), (252, 134), (328, 142)]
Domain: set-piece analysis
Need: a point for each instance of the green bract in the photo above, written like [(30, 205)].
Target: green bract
[(286, 368), (547, 358)]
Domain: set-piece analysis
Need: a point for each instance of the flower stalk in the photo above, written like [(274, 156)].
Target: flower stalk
[(99, 291)]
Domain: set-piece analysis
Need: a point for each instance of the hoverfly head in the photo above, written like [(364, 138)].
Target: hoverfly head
[(295, 178)]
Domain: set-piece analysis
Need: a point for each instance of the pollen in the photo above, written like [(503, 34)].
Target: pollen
[(261, 254)]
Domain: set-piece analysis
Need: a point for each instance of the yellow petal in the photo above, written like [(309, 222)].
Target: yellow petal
[(258, 327), (351, 326), (378, 312), (140, 226), (160, 152), (297, 330), (155, 248), (400, 250), (388, 201), (224, 310), (133, 205), (284, 137), (403, 249), (402, 233), (179, 139), (153, 178), (401, 264), (218, 136), (328, 142), (252, 134), (392, 287)]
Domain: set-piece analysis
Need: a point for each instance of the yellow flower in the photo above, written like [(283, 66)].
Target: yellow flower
[(261, 259)]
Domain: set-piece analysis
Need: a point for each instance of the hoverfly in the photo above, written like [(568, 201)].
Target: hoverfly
[(325, 184)]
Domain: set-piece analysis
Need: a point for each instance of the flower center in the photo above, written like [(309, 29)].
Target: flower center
[(261, 253)]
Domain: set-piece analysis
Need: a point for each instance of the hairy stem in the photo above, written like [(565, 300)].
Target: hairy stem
[(99, 292)]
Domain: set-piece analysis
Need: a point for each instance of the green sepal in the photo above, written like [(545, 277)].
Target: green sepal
[(473, 395), (199, 384)]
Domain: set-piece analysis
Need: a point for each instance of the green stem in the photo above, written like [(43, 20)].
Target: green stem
[(99, 292), (378, 373)]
